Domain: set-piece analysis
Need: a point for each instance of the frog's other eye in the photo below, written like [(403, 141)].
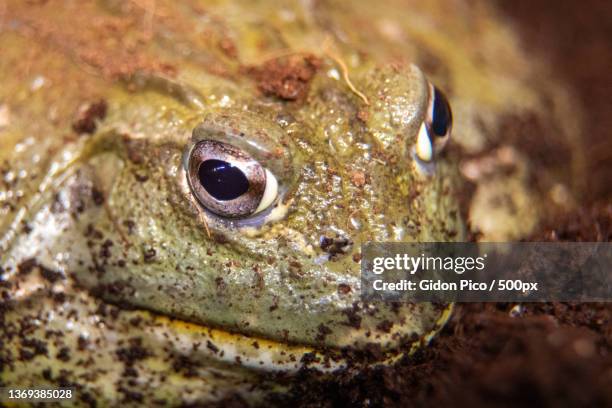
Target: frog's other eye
[(229, 182), (440, 116), (436, 128)]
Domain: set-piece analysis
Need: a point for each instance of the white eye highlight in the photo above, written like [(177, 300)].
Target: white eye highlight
[(424, 150), (270, 193)]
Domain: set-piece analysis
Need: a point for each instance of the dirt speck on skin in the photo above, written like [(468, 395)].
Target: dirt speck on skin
[(88, 114), (358, 178), (286, 78)]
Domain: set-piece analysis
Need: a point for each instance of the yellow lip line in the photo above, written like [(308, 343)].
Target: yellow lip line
[(269, 355), (250, 351)]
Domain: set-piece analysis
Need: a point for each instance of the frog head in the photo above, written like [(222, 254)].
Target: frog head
[(240, 202), (214, 205)]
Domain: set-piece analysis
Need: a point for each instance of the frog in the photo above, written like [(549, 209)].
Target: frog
[(186, 187)]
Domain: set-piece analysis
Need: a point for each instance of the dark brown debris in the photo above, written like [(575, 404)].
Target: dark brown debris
[(88, 115), (286, 78)]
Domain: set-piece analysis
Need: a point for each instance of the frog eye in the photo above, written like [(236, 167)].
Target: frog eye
[(436, 128), (228, 181), (440, 119)]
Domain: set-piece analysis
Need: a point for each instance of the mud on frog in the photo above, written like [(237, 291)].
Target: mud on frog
[(201, 226)]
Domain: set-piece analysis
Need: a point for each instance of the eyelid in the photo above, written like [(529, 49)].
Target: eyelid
[(263, 139), (260, 137)]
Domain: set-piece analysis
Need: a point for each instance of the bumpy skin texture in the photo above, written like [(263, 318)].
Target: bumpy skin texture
[(96, 210)]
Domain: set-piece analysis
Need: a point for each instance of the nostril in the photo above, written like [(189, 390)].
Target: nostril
[(335, 246)]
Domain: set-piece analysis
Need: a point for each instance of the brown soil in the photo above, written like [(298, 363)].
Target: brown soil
[(544, 354)]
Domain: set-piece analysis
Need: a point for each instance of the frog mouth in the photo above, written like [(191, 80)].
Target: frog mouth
[(273, 356)]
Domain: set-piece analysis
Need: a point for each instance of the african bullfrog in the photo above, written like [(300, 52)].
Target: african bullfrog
[(186, 186)]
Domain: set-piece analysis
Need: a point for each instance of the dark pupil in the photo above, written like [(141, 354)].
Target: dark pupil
[(222, 180), (442, 116)]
